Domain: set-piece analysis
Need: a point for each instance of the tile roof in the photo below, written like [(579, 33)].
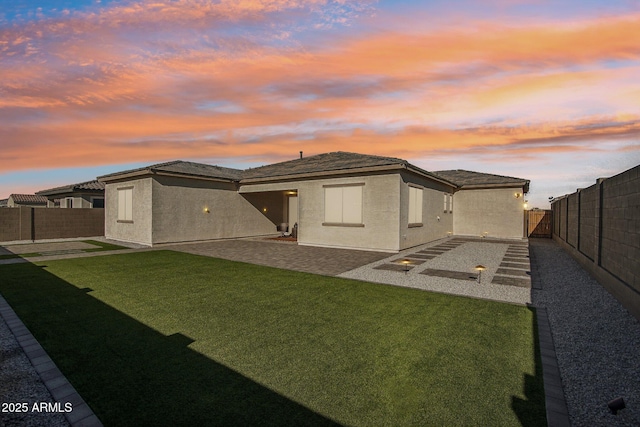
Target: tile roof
[(31, 199), (334, 161), (328, 162), (464, 178), (181, 167), (93, 186)]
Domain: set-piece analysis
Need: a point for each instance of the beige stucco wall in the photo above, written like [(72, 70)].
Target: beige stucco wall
[(435, 222), (139, 231), (493, 211), (380, 201), (179, 211)]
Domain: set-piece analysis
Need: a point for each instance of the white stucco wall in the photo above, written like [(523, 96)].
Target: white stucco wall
[(435, 222), (179, 211), (138, 231), (380, 201), (493, 211)]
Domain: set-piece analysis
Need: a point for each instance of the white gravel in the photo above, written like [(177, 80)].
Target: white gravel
[(597, 341), (463, 258), (20, 383)]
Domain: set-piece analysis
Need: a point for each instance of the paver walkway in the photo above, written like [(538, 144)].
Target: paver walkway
[(290, 256), (448, 266)]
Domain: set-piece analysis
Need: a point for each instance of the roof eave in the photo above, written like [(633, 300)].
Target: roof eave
[(192, 176), (321, 174), (431, 176), (154, 172), (522, 184), (58, 190)]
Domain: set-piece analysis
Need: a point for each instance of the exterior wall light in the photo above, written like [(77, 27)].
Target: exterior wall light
[(480, 268), (526, 204), (206, 210), (517, 195), (264, 210)]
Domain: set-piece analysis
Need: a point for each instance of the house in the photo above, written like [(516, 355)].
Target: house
[(3, 203), (487, 203), (337, 199), (88, 194), (28, 200)]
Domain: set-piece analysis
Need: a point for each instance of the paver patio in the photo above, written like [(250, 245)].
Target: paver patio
[(290, 256)]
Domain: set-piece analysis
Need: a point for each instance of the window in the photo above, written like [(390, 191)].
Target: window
[(450, 203), (125, 202), (97, 202), (343, 205), (415, 206)]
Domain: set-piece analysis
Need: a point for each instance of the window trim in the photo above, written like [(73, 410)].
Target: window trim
[(421, 223), (343, 224), (125, 220)]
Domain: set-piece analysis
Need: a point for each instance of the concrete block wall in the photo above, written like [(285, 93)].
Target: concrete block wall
[(10, 224), (572, 219), (606, 240), (68, 223), (25, 223), (587, 222), (620, 248)]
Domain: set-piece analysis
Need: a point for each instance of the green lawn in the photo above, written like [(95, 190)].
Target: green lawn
[(166, 338)]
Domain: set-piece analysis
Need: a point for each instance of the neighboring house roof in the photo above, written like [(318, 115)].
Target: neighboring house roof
[(3, 203), (28, 199), (330, 164), (470, 179), (179, 167), (94, 186)]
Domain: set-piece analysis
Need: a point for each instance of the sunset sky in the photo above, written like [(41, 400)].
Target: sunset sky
[(543, 90)]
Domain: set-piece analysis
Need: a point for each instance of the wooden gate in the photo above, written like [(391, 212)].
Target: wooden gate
[(539, 223)]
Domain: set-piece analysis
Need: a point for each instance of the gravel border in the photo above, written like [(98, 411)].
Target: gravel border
[(597, 341), (20, 383), (462, 258)]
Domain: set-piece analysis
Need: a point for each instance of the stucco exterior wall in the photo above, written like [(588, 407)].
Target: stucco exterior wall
[(493, 211), (380, 215), (179, 211), (436, 223), (380, 212), (138, 231)]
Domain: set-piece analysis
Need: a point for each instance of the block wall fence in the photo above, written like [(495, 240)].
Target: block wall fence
[(600, 227), (26, 223)]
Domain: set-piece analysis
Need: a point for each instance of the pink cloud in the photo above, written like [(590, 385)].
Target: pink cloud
[(103, 90)]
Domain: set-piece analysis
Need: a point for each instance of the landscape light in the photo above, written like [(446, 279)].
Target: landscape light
[(616, 405), (480, 268), (406, 263)]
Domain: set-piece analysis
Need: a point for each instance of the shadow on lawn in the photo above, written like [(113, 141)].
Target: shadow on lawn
[(531, 411), (131, 374)]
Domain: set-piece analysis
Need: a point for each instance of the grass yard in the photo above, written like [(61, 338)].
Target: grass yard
[(166, 338)]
